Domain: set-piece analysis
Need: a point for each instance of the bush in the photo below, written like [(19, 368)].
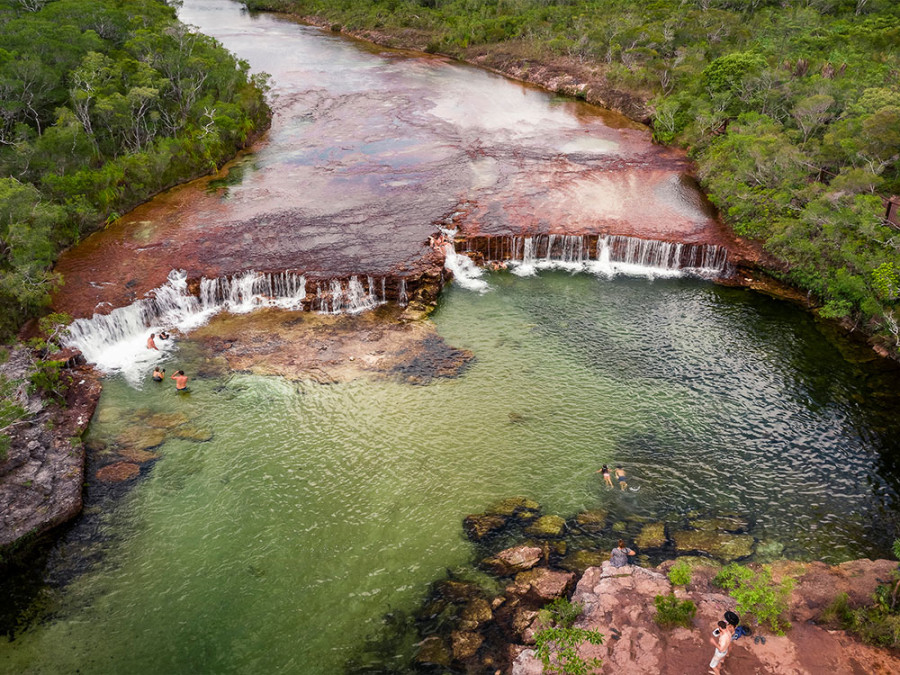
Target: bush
[(47, 379), (671, 612), (680, 573), (756, 594), (557, 646)]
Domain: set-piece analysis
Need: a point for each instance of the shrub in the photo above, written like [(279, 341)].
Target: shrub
[(47, 379), (756, 594), (671, 612), (557, 646), (680, 573)]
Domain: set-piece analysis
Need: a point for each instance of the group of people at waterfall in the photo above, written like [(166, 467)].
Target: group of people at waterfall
[(159, 373)]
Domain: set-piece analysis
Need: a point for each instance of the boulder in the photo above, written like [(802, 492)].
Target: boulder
[(465, 644), (522, 620), (513, 560), (476, 613), (720, 545), (542, 583), (141, 438), (579, 560), (546, 526), (591, 520), (457, 591), (433, 651), (651, 536), (513, 506), (480, 525), (118, 472)]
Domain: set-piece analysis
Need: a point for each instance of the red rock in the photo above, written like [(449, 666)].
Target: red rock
[(118, 472)]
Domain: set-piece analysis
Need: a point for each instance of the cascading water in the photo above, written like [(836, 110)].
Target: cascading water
[(615, 255), (465, 272), (117, 342)]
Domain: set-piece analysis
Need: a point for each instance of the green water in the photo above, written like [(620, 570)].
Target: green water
[(279, 545)]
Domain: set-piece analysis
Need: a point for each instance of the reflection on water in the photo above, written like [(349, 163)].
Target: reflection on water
[(313, 510)]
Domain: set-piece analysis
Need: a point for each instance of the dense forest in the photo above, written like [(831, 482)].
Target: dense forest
[(791, 109), (103, 103)]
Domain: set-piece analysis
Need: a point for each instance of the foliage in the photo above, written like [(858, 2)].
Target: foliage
[(791, 109), (671, 612), (47, 379), (757, 594), (10, 413), (557, 646), (680, 573), (103, 103)]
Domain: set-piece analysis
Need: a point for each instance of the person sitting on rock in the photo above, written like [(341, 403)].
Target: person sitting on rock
[(159, 374), (620, 554), (150, 343)]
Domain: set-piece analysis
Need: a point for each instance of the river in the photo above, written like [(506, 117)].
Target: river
[(286, 526)]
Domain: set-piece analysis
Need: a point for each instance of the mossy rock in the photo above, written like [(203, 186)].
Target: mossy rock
[(719, 545), (546, 527), (479, 525), (433, 651), (138, 456), (591, 520), (725, 523), (651, 536), (141, 438), (694, 561), (620, 526), (768, 551), (578, 561), (118, 472), (456, 591), (167, 420), (109, 413), (512, 506), (476, 613), (195, 434)]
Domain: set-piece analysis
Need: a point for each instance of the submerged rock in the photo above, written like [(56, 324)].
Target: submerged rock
[(433, 651), (651, 536), (141, 438), (195, 434), (513, 560), (512, 506), (476, 613), (167, 420), (723, 523), (138, 456), (479, 525), (591, 520), (118, 472), (457, 591), (546, 526), (465, 644), (578, 561), (720, 545)]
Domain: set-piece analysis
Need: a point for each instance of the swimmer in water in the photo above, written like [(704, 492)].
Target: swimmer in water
[(159, 374), (620, 476), (164, 336), (150, 342), (180, 380), (606, 477)]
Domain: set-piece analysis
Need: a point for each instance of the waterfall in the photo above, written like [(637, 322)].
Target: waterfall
[(465, 272), (402, 297), (617, 255), (117, 342)]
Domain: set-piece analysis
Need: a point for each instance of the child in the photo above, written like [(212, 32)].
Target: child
[(606, 477)]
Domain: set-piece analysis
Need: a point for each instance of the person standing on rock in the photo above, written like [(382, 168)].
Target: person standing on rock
[(619, 555), (722, 643)]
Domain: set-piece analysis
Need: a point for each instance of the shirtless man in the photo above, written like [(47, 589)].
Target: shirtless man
[(620, 476), (180, 381), (722, 643), (150, 342)]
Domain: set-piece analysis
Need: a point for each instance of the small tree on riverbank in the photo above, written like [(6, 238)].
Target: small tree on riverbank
[(557, 646)]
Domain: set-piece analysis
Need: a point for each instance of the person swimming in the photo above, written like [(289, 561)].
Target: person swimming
[(620, 476), (159, 374), (163, 336), (606, 477), (180, 380)]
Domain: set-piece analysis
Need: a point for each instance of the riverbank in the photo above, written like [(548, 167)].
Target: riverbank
[(42, 475)]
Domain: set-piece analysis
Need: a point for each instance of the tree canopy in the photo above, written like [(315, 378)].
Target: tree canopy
[(103, 103)]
